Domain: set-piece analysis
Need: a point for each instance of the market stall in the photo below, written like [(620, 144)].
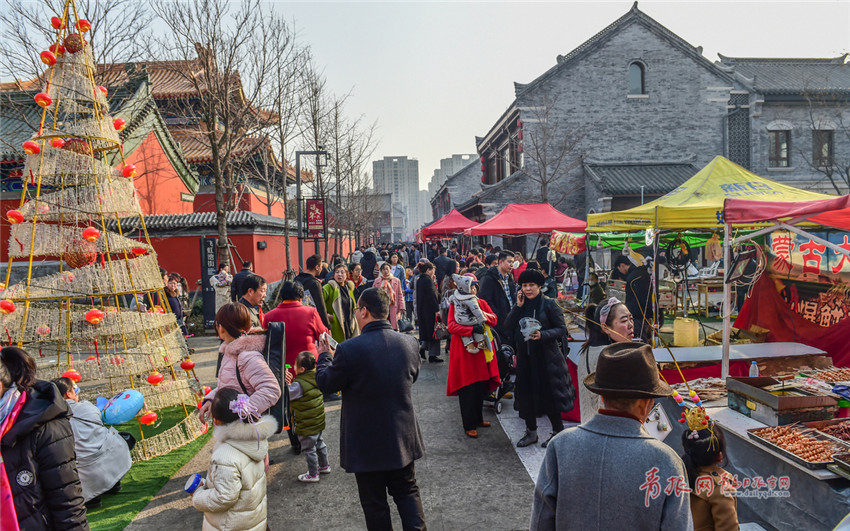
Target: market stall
[(451, 224), (537, 218)]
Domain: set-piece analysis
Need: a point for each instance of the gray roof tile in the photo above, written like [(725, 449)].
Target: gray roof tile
[(793, 76), (627, 178)]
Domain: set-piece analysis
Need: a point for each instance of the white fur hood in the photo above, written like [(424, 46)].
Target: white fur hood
[(243, 344), (244, 436)]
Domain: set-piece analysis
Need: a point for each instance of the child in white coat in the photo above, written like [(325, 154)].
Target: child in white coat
[(233, 497)]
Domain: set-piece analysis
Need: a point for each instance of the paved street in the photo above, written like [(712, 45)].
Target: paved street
[(465, 483)]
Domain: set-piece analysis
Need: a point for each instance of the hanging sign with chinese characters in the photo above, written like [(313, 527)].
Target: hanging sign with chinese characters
[(316, 218), (816, 278)]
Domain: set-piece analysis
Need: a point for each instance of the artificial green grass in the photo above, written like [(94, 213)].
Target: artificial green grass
[(145, 478)]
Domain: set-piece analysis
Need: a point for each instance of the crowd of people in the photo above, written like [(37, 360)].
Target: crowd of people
[(349, 337)]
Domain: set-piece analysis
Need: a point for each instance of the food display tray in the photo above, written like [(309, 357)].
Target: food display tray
[(818, 424), (816, 465), (843, 462)]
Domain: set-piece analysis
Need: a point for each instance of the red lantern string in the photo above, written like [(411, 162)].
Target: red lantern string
[(32, 179), (8, 335), (96, 352), (20, 244)]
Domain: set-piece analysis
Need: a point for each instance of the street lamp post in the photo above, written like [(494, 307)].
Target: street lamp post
[(298, 213)]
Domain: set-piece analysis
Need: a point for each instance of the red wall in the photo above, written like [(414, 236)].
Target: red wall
[(248, 202), (158, 185), (182, 254)]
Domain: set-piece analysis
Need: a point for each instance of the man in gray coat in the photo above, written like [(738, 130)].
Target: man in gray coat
[(379, 437), (609, 473)]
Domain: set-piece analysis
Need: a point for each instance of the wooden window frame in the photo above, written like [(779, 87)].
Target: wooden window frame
[(774, 138)]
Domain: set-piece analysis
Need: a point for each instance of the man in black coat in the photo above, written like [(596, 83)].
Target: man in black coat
[(379, 435), (492, 289), (443, 264), (307, 278), (238, 279)]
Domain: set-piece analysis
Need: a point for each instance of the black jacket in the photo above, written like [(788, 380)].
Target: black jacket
[(368, 263), (38, 453), (443, 265), (315, 288), (490, 289), (375, 372), (542, 378), (427, 306), (236, 284)]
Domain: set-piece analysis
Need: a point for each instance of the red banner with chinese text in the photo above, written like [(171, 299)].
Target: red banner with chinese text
[(315, 218)]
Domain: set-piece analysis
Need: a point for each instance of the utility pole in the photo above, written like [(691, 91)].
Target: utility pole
[(299, 214)]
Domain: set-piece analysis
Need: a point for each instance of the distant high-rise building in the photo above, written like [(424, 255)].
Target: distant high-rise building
[(399, 176), (448, 166)]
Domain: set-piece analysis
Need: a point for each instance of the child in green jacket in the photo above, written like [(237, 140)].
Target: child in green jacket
[(308, 408)]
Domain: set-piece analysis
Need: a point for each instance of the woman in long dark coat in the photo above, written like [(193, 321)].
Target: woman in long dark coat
[(427, 306), (543, 385)]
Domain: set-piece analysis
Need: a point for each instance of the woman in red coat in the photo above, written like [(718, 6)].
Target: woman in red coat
[(471, 377)]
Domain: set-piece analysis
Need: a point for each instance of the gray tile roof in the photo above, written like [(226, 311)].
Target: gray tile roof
[(627, 178), (166, 222), (793, 76)]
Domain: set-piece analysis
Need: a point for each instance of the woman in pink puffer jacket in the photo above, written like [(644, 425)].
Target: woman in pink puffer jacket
[(245, 352)]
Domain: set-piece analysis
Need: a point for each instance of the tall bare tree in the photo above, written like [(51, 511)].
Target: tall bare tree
[(225, 52), (552, 149), (829, 119)]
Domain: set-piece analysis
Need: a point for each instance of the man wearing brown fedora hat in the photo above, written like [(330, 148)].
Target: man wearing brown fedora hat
[(609, 473)]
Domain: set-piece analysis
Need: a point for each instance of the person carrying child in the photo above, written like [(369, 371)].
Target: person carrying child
[(467, 312), (308, 408), (233, 497), (713, 501)]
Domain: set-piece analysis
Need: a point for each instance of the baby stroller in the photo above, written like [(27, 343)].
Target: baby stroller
[(506, 359)]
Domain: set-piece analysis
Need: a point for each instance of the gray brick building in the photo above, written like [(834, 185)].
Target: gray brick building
[(635, 111)]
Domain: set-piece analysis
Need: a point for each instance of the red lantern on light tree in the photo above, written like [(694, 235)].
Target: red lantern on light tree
[(57, 142), (91, 234), (57, 23), (138, 251), (48, 58), (129, 171), (42, 100), (43, 330), (148, 418), (103, 90), (57, 49), (7, 306), (14, 216), (31, 148), (74, 42), (155, 378), (119, 124), (187, 364), (72, 375), (95, 316), (83, 25)]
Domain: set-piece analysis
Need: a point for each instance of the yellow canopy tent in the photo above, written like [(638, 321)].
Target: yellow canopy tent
[(698, 203)]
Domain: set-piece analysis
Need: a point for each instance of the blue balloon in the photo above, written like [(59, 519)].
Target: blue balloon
[(123, 407), (101, 403)]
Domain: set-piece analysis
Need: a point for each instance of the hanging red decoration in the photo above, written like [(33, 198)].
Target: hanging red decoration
[(94, 316), (519, 135), (119, 124), (16, 174), (48, 58), (138, 251), (7, 306), (483, 159), (42, 100), (155, 378), (43, 330), (206, 389), (78, 145), (91, 234), (83, 25), (187, 365), (129, 171), (57, 49), (148, 418), (483, 179), (519, 122), (519, 148), (57, 23), (74, 42), (90, 359), (72, 375), (483, 167), (79, 253), (31, 148), (103, 90), (14, 216)]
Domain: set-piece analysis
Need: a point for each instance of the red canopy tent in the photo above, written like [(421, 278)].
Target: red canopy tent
[(452, 223), (527, 219), (833, 212)]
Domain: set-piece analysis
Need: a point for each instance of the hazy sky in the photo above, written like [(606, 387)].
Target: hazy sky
[(435, 74)]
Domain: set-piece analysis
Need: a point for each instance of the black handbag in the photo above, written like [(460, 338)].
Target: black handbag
[(404, 325)]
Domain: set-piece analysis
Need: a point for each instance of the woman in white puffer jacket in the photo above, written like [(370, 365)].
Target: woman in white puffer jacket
[(233, 497)]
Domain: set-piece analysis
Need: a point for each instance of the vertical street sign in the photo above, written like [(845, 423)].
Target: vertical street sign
[(208, 258), (316, 218)]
